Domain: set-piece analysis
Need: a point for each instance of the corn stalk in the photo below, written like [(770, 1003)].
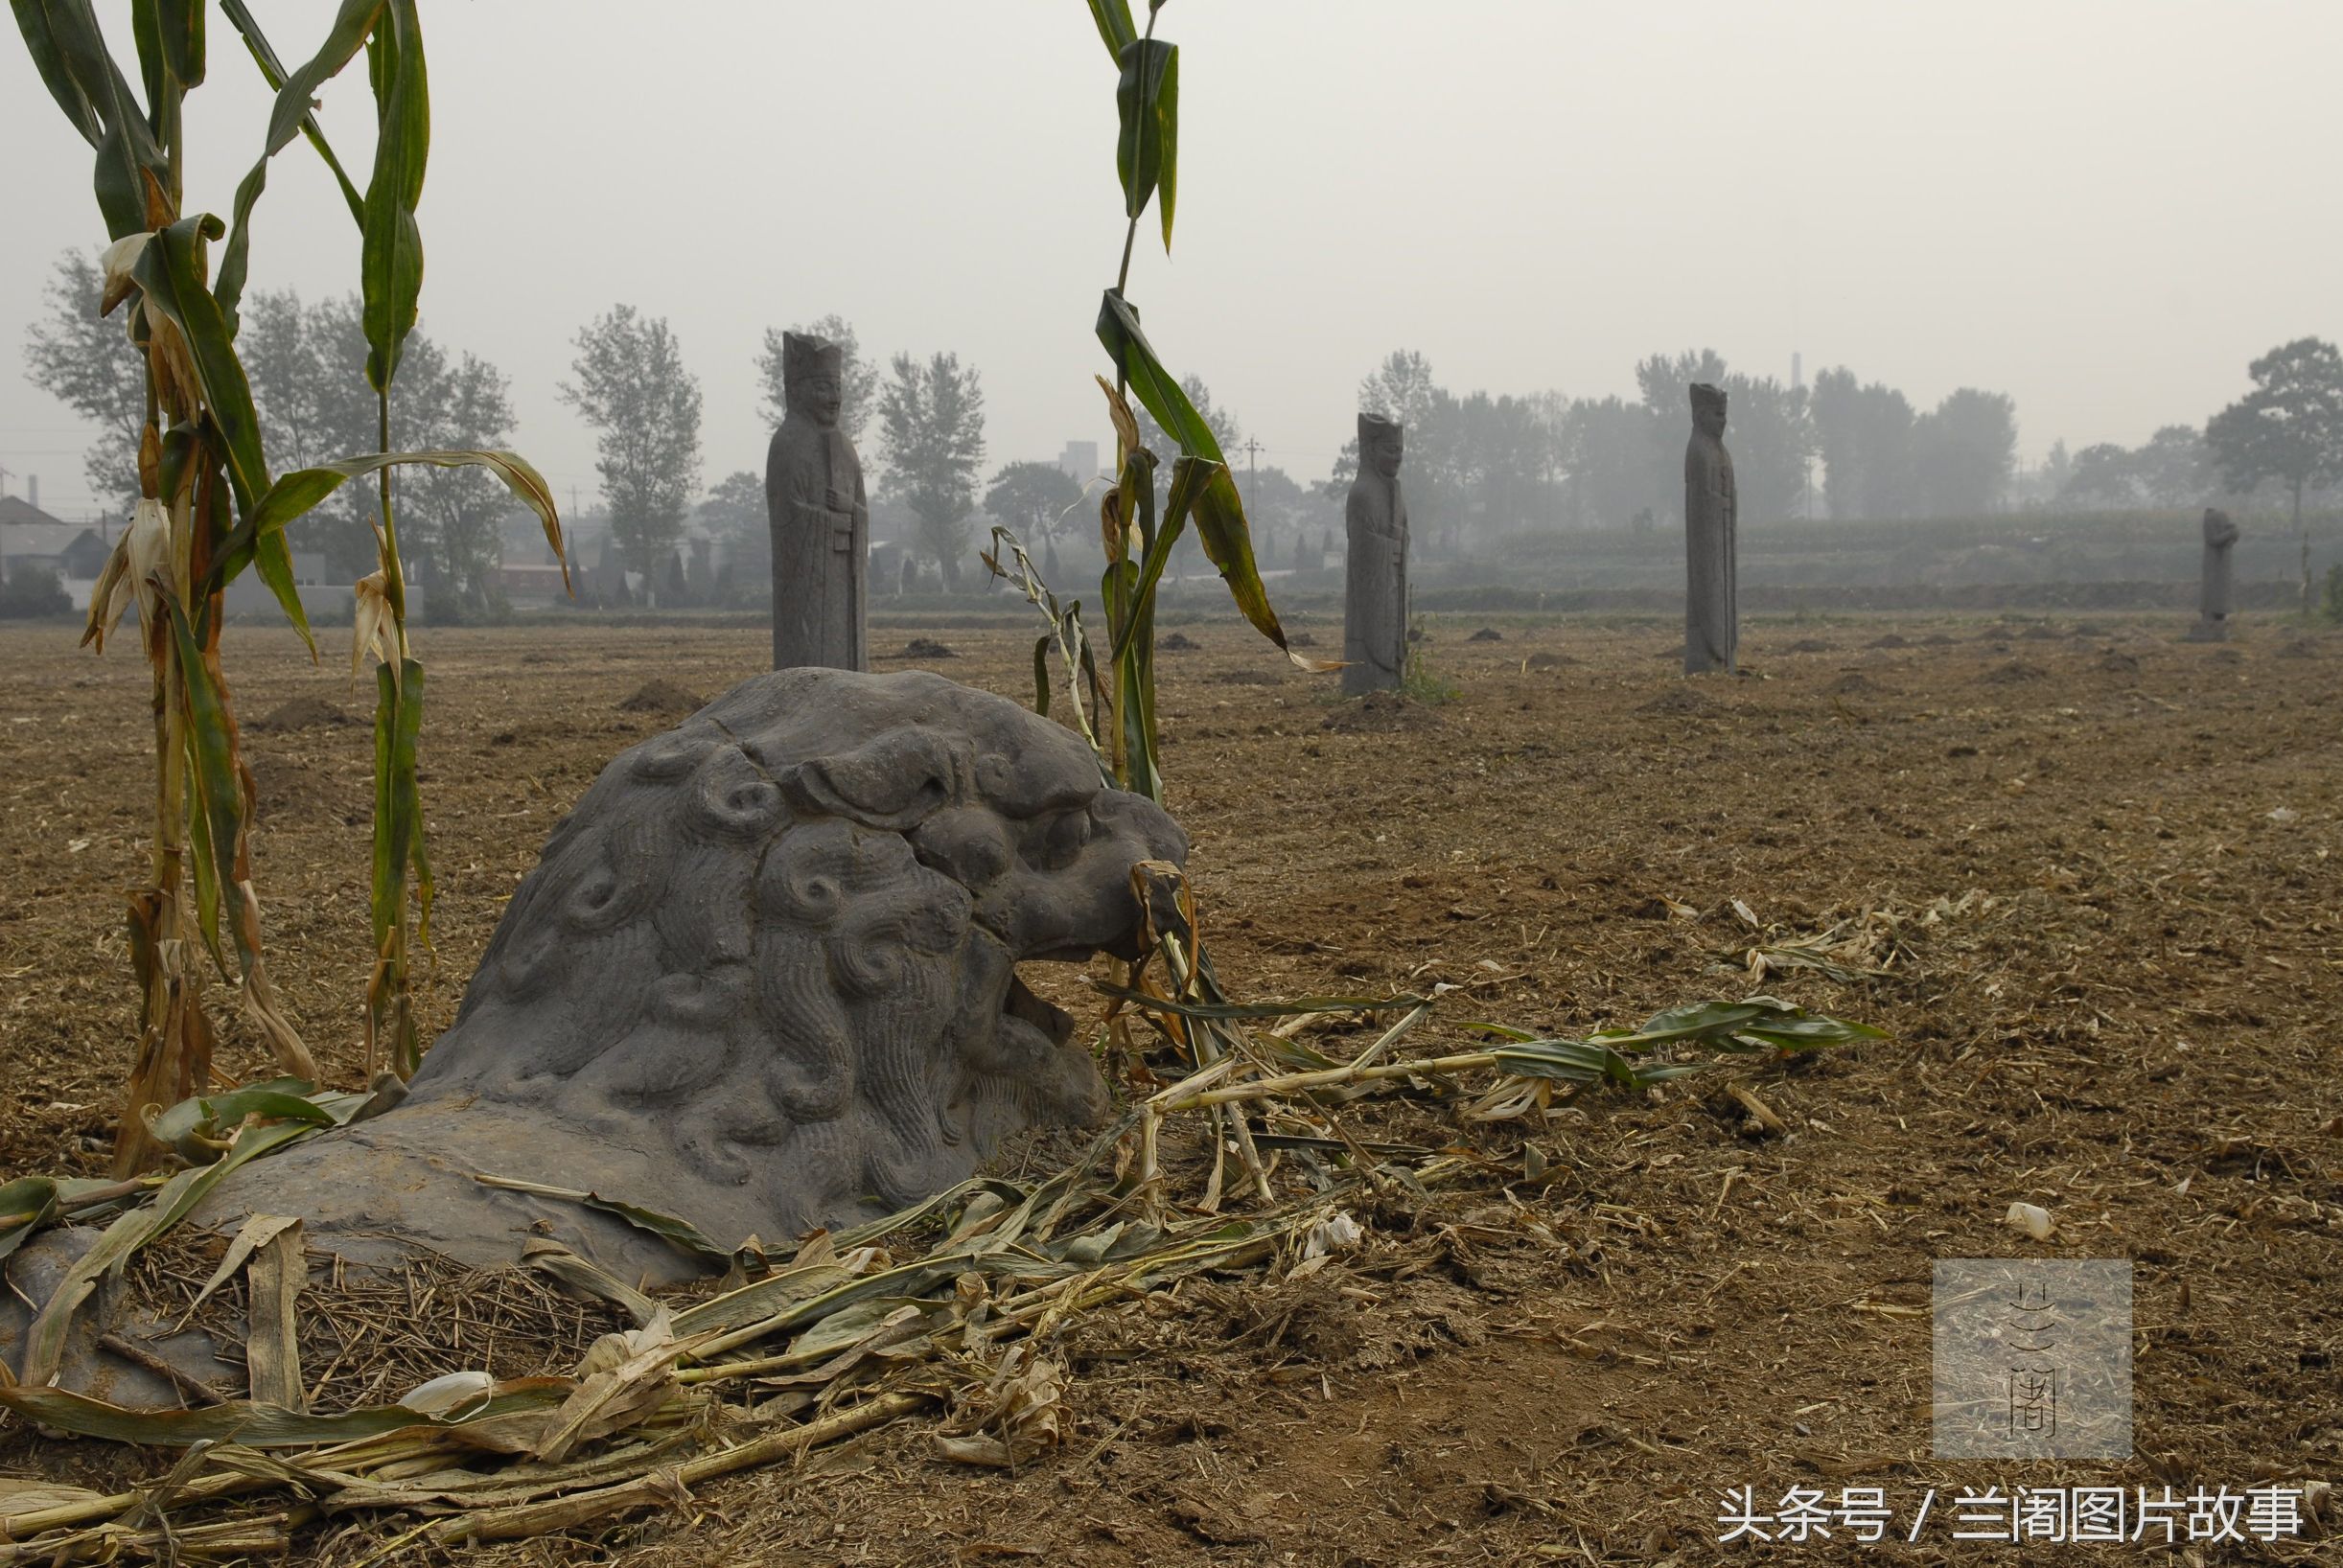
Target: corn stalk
[(1203, 492), (208, 507)]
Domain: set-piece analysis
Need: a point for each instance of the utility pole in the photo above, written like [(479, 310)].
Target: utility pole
[(1252, 452)]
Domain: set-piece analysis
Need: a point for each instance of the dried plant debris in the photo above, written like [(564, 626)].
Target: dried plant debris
[(481, 1406)]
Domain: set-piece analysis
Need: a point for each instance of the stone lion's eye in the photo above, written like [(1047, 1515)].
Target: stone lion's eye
[(1053, 840)]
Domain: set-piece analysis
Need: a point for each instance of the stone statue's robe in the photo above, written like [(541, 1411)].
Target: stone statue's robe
[(1374, 586), (1712, 600), (2212, 592), (821, 524)]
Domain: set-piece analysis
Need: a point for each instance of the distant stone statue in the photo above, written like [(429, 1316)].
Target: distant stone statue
[(820, 519), (1375, 584), (2212, 597), (1712, 599)]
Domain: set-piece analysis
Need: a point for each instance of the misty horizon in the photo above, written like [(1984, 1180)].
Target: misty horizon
[(2097, 212)]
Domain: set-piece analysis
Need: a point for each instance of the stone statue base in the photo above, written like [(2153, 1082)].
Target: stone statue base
[(2208, 632)]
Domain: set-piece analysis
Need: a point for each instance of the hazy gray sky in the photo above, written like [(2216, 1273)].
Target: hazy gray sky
[(2102, 207)]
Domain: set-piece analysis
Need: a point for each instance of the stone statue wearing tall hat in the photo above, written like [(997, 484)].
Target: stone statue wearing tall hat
[(2213, 593), (820, 519), (1375, 582), (1712, 597)]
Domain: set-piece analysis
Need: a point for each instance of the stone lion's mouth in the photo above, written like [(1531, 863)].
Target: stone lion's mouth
[(1053, 1024)]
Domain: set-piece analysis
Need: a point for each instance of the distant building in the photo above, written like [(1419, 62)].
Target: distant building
[(31, 539), (531, 587), (1080, 461), (248, 595)]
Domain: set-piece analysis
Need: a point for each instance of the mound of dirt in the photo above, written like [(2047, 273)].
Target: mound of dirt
[(1178, 642), (301, 713), (1682, 702), (1891, 641), (1248, 676), (928, 648), (1811, 645), (2042, 633), (661, 697), (2299, 648), (1487, 633), (1854, 684), (1301, 639), (2114, 661), (1380, 712), (2015, 672), (1549, 661), (1936, 639)]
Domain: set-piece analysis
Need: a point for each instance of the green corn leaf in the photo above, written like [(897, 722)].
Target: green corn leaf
[(303, 489), (215, 775), (272, 563), (1189, 477), (390, 258), (1139, 147), (1693, 1021), (1226, 1010), (1136, 670), (1166, 136), (169, 274), (181, 28), (680, 1232), (25, 1205), (282, 1099), (203, 870), (154, 70), (398, 812), (39, 22), (69, 51), (1115, 30), (410, 743), (1219, 509), (291, 112)]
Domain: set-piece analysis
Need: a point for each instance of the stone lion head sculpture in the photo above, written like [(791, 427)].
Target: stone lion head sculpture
[(763, 978)]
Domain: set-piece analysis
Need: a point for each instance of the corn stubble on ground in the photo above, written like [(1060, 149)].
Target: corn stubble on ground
[(2097, 908)]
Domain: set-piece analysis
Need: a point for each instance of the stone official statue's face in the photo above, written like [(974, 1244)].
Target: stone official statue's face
[(1709, 417), (1389, 446), (820, 396)]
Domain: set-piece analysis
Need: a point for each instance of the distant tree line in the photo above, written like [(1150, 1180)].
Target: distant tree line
[(305, 364), (1478, 464), (1504, 464)]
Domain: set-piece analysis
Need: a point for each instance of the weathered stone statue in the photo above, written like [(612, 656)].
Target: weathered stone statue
[(821, 522), (2213, 596), (1375, 583), (1712, 599), (762, 979)]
